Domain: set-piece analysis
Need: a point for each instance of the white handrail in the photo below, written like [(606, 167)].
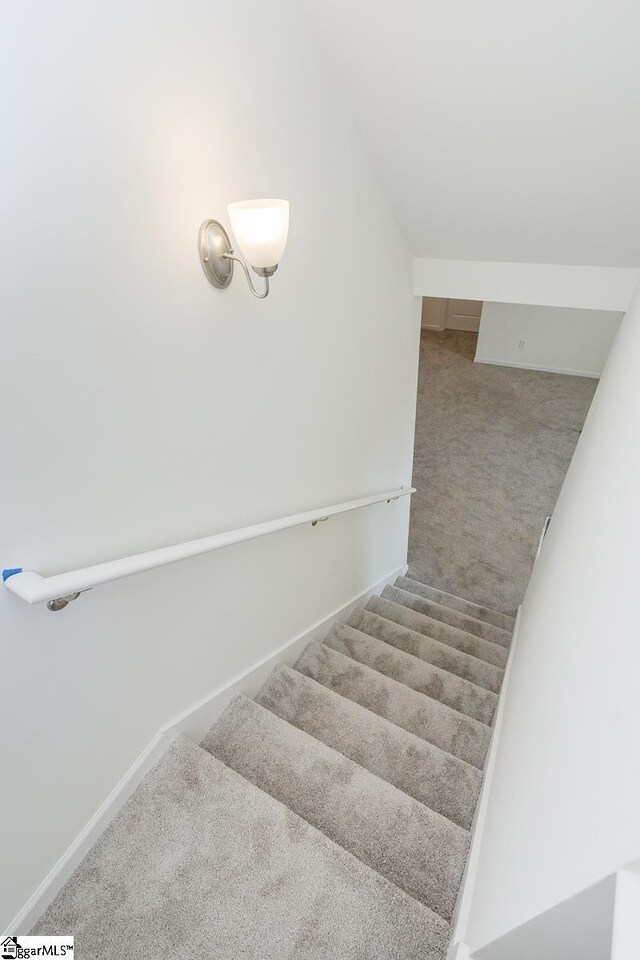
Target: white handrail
[(62, 587)]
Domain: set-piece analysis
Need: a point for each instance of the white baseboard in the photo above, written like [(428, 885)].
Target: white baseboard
[(536, 366), (472, 326), (466, 324), (462, 910), (458, 951), (78, 848), (194, 723)]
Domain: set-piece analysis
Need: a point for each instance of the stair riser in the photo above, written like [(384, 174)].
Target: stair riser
[(484, 650), (431, 721), (338, 803), (422, 853), (457, 603), (414, 672), (435, 778), (455, 618), (181, 870), (455, 662)]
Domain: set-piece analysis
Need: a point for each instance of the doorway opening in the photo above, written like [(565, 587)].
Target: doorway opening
[(493, 443), (439, 313)]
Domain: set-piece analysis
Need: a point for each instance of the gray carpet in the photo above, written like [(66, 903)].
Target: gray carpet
[(435, 778), (200, 863), (433, 721), (422, 852), (329, 817), (389, 657), (456, 603), (492, 448), (490, 655)]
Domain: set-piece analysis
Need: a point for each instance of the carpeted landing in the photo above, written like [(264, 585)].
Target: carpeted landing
[(329, 817), (492, 447)]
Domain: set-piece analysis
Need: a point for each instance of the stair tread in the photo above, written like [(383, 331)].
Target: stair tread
[(480, 612), (329, 817), (414, 847), (402, 613), (456, 618), (439, 684), (445, 783), (428, 719), (200, 862), (453, 661)]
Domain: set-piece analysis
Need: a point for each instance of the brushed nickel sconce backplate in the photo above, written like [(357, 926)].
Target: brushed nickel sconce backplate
[(214, 248)]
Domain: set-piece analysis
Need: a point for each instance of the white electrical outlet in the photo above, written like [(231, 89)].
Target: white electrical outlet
[(521, 344)]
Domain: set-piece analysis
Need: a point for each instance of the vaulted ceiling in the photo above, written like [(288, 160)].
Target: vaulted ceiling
[(501, 129)]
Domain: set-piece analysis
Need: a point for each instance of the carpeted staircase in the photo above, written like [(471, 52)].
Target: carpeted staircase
[(327, 818)]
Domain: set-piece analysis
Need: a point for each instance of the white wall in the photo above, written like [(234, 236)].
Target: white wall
[(592, 288), (434, 313), (579, 928), (563, 808), (503, 131), (142, 407), (546, 338), (626, 917)]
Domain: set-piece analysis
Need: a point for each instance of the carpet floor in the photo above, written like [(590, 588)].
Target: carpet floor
[(328, 817), (492, 447)]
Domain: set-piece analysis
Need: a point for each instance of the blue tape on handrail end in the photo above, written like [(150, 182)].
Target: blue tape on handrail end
[(10, 573)]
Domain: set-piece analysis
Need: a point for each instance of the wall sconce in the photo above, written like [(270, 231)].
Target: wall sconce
[(261, 228)]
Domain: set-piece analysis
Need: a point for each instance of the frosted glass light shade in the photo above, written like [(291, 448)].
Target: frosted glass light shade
[(261, 228)]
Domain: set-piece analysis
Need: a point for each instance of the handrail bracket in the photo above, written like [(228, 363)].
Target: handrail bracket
[(61, 602)]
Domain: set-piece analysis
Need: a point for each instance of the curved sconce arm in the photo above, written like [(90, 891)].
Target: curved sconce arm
[(217, 259), (260, 296)]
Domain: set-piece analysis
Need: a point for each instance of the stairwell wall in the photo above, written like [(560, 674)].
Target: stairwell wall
[(563, 807), (141, 407), (556, 339)]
